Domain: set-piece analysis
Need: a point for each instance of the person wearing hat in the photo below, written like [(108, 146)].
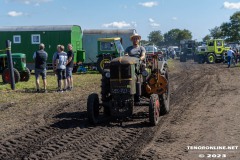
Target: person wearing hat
[(136, 50)]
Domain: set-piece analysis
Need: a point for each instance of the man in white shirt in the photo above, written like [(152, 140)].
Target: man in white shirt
[(230, 55)]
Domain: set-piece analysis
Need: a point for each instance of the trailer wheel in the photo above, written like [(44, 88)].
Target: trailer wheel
[(211, 58), (165, 99), (93, 108), (25, 75), (154, 109), (6, 77), (100, 63)]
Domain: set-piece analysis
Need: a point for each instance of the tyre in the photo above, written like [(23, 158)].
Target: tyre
[(211, 58), (6, 77), (25, 75), (154, 109), (100, 63), (183, 58), (165, 99), (93, 108), (201, 59)]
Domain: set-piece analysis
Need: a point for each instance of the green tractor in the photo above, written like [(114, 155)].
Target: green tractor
[(215, 52), (108, 48), (188, 50), (21, 72), (128, 83)]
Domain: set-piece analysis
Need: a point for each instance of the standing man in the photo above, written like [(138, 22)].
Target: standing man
[(230, 54), (61, 61), (40, 58), (69, 68), (136, 50)]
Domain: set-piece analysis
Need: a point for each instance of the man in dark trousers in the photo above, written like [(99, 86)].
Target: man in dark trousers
[(69, 67), (40, 58)]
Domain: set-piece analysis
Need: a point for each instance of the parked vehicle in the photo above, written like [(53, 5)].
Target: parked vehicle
[(91, 36), (188, 50), (26, 40), (215, 51), (108, 48), (21, 72)]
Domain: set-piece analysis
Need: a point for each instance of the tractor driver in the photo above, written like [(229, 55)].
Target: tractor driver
[(136, 50)]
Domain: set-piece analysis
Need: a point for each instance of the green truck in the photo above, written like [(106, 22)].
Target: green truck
[(215, 52), (21, 72), (26, 39), (108, 48)]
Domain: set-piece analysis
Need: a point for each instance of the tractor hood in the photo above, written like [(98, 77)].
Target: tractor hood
[(124, 60)]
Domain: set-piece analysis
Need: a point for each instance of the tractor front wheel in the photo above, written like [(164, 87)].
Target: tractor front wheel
[(211, 58), (6, 76), (100, 63), (154, 109), (25, 75), (93, 108)]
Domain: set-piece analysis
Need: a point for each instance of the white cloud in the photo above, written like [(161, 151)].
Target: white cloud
[(121, 24), (35, 2), (229, 5), (148, 4), (154, 24), (134, 24), (14, 14), (174, 18), (151, 20)]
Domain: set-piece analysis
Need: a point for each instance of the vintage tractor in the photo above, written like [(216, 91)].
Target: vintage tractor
[(215, 51), (128, 83), (188, 50), (21, 72), (108, 48)]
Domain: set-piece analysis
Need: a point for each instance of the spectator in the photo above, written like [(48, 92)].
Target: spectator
[(40, 58), (54, 58), (61, 61), (69, 67), (230, 54)]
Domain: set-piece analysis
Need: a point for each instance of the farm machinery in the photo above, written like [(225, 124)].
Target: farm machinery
[(128, 83), (188, 50), (21, 72), (215, 51), (108, 48)]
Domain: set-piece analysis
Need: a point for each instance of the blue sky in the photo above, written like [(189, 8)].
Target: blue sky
[(145, 16)]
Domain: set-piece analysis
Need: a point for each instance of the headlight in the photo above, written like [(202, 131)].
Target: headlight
[(107, 74), (145, 73)]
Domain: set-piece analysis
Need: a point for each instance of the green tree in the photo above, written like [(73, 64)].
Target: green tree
[(156, 37), (207, 37), (216, 32), (174, 36)]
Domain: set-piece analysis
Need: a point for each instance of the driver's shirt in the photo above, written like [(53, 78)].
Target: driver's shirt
[(135, 51)]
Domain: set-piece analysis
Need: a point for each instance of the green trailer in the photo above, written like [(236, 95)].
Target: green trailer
[(26, 39)]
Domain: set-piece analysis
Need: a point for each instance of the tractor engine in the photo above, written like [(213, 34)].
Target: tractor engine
[(123, 85)]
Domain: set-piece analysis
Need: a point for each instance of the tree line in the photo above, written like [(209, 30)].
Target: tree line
[(229, 31)]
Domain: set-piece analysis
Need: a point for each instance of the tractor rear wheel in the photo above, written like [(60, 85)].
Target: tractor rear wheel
[(93, 108), (165, 99), (154, 109), (25, 75), (6, 76), (100, 63), (211, 58)]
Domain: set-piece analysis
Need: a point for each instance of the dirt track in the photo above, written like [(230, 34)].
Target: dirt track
[(205, 111)]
